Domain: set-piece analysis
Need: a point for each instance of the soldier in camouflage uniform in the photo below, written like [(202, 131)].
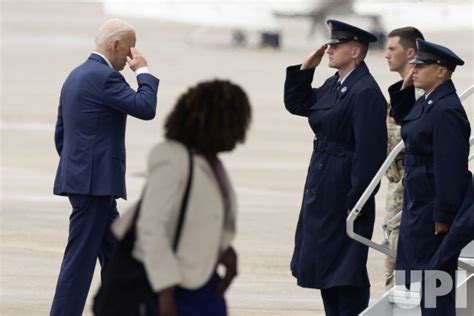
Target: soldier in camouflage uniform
[(401, 49)]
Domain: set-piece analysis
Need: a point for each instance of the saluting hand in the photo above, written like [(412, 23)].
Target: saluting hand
[(408, 81), (314, 59), (441, 228), (137, 60)]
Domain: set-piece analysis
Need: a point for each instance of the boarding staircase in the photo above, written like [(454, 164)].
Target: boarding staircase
[(399, 301)]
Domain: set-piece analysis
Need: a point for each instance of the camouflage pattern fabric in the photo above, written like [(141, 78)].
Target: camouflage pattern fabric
[(394, 202)]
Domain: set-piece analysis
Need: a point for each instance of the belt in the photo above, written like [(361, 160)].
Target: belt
[(416, 159), (332, 148)]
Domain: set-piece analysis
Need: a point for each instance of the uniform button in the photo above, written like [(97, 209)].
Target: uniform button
[(320, 166), (410, 205)]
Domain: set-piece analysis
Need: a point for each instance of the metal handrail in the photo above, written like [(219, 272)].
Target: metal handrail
[(373, 184), (471, 142)]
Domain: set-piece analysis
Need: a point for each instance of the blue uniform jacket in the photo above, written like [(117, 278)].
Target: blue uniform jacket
[(90, 129), (436, 132), (460, 234), (349, 124)]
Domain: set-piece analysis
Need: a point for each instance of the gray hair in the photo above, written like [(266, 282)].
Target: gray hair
[(112, 30)]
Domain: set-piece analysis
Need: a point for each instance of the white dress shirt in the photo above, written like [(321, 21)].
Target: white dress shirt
[(341, 80)]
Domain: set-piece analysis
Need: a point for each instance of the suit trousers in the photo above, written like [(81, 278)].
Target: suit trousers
[(345, 300), (89, 239)]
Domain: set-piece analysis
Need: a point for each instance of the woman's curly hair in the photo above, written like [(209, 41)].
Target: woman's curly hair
[(211, 117)]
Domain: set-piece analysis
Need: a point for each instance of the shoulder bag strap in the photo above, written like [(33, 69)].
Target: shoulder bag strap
[(184, 203), (131, 234)]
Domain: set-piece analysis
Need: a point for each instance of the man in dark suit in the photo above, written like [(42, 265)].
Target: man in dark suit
[(90, 140), (347, 114)]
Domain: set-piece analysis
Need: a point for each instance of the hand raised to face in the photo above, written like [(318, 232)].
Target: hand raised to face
[(314, 59), (137, 60)]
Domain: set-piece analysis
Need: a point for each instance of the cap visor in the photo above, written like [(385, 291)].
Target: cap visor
[(417, 62), (333, 41)]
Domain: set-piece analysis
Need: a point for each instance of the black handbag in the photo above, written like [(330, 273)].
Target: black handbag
[(125, 289)]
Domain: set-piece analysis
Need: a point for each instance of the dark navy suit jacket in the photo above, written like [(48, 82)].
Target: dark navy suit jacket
[(90, 129)]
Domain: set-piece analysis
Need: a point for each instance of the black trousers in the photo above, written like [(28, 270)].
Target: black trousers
[(345, 300), (445, 304)]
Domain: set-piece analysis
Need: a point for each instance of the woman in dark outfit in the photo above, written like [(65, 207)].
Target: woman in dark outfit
[(436, 132), (347, 114)]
